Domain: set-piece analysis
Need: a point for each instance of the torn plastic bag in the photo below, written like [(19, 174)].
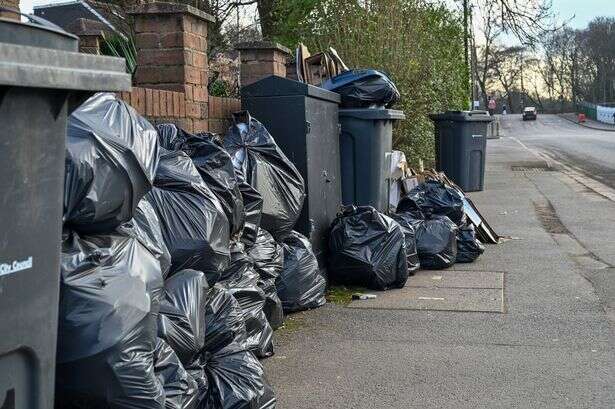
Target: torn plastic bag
[(363, 89), (236, 381), (300, 285), (194, 226), (269, 171), (253, 208), (145, 226), (367, 249), (434, 197), (110, 291), (469, 248), (180, 388), (224, 323), (436, 242), (111, 159), (268, 258), (182, 314), (214, 165), (408, 226), (241, 280)]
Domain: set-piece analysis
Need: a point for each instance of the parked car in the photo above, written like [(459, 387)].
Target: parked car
[(529, 113)]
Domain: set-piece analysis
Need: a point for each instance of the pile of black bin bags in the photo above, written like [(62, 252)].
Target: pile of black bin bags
[(429, 230), (171, 285)]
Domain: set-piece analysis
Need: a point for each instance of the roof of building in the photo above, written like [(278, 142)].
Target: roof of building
[(65, 15)]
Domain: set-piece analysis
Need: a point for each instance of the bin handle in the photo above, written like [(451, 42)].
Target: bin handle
[(33, 19)]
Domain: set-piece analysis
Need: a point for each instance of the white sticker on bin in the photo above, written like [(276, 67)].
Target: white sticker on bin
[(15, 266), (478, 136)]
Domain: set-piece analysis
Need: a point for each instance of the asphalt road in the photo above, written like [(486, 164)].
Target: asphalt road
[(589, 150)]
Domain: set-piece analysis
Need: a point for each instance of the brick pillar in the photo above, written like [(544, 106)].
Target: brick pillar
[(10, 4), (260, 59), (90, 34), (89, 44), (171, 41)]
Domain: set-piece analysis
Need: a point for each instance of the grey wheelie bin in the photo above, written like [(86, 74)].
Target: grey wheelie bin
[(42, 78), (366, 141), (461, 141)]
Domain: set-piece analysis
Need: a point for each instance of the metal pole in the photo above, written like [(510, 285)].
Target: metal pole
[(465, 39)]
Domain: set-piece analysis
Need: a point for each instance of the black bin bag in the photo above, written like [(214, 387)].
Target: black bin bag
[(408, 224), (268, 257), (434, 197), (180, 388), (241, 279), (214, 165), (236, 380), (253, 208), (111, 159), (193, 223), (145, 226), (364, 89), (110, 290), (181, 322), (223, 320), (367, 249), (234, 377), (269, 171), (300, 284), (469, 248), (436, 242)]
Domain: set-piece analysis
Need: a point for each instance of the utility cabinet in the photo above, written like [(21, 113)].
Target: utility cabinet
[(303, 119)]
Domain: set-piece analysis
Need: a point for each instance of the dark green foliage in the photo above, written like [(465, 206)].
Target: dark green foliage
[(419, 44)]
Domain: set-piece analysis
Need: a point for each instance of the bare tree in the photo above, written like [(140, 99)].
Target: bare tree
[(507, 69)]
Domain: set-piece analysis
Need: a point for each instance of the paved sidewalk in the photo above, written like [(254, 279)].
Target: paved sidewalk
[(589, 123), (553, 347)]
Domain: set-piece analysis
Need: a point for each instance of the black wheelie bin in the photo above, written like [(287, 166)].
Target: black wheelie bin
[(461, 143), (366, 141), (42, 78)]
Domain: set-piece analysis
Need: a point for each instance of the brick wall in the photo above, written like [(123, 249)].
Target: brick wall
[(221, 111), (160, 106), (11, 4)]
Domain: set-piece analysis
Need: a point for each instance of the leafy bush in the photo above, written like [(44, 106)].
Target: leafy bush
[(122, 46), (418, 43)]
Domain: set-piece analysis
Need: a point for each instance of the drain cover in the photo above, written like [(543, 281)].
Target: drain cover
[(539, 168)]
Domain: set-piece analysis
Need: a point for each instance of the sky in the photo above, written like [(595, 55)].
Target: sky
[(581, 11)]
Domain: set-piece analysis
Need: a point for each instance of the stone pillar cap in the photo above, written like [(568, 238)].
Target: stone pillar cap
[(261, 45), (170, 8)]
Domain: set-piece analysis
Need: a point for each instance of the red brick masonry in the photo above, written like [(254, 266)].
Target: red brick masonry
[(169, 106)]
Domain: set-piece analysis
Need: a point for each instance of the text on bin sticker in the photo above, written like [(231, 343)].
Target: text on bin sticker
[(15, 266)]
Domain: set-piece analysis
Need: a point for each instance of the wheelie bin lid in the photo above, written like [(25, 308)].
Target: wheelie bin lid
[(372, 113), (39, 54), (462, 116), (274, 86)]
